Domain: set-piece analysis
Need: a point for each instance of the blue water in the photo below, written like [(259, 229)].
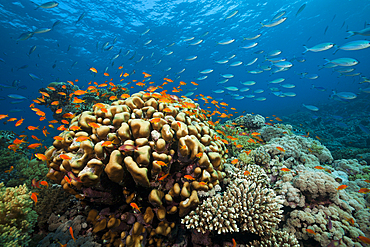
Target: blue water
[(172, 22)]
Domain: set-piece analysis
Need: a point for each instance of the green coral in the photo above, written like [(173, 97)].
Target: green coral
[(316, 147), (28, 170), (17, 218), (245, 158)]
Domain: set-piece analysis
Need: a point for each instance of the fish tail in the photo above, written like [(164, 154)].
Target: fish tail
[(304, 46), (351, 33), (336, 49)]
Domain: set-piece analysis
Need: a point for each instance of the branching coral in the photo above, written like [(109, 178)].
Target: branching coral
[(17, 218), (247, 205)]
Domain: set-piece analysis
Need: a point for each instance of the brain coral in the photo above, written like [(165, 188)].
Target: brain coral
[(152, 151)]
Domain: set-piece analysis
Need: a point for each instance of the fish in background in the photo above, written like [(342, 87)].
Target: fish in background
[(363, 32)]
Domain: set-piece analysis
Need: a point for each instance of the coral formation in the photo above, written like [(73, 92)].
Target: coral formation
[(17, 218), (154, 152), (251, 121), (248, 205)]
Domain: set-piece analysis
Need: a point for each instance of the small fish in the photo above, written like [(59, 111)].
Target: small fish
[(160, 163), (319, 167), (226, 42), (246, 173), (342, 187), (199, 155), (273, 24), (44, 183), (234, 242), (231, 15), (135, 206), (280, 149), (71, 232), (311, 107), (10, 170), (64, 157), (285, 170), (364, 239), (48, 5), (319, 47), (310, 231), (344, 95), (300, 9), (234, 161), (364, 190), (34, 197), (163, 177), (188, 177), (364, 32)]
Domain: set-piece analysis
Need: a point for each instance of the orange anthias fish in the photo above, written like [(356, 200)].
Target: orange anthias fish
[(93, 70), (199, 155), (247, 173), (163, 177), (10, 169), (285, 169), (82, 138), (19, 122), (364, 239), (234, 161), (319, 167), (64, 157), (94, 125), (310, 231), (34, 145), (342, 187), (160, 163), (189, 177), (34, 197), (280, 149), (66, 178), (2, 116), (364, 190), (71, 232), (32, 127), (44, 183), (41, 157), (234, 242), (135, 206)]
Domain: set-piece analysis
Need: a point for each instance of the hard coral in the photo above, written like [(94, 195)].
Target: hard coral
[(136, 153), (17, 218), (248, 205)]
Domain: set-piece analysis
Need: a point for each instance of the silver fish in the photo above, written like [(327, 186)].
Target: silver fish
[(226, 42), (48, 5), (252, 37), (363, 32), (191, 58), (343, 61), (354, 46), (319, 47), (273, 24), (311, 107)]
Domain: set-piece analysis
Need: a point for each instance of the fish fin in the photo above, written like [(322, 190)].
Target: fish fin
[(336, 49), (351, 33), (304, 46)]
